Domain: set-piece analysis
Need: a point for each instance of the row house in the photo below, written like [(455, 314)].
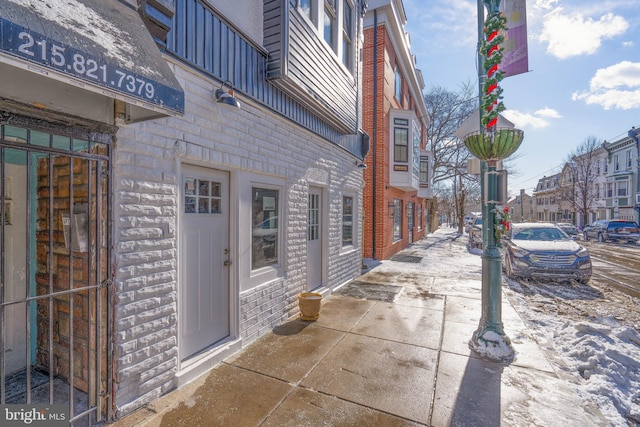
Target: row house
[(521, 207), (587, 187), (173, 173), (599, 184), (547, 198), (621, 191), (398, 175)]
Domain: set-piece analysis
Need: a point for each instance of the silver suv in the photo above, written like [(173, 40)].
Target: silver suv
[(612, 229)]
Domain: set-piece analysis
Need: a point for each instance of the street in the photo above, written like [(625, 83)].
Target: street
[(613, 291), (615, 265)]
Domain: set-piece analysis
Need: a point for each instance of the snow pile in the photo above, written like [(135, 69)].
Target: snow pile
[(606, 355), (595, 347), (493, 346)]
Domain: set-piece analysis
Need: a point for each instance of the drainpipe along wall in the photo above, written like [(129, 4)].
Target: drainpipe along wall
[(375, 129)]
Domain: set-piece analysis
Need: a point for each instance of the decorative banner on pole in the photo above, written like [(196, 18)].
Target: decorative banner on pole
[(516, 55)]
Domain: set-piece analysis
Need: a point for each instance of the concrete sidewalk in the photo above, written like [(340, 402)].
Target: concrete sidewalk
[(398, 357)]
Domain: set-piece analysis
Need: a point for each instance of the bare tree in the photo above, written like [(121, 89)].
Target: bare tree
[(447, 110), (580, 175)]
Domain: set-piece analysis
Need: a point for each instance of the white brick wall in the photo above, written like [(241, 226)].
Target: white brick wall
[(146, 194)]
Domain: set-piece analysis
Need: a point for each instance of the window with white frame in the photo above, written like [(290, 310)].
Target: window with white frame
[(416, 149), (424, 172), (616, 162), (609, 190), (347, 221), (628, 159), (308, 9), (622, 188), (330, 24), (400, 140), (264, 231), (398, 84), (335, 21), (347, 35)]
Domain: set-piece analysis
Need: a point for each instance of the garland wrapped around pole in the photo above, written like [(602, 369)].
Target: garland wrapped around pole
[(491, 144), (491, 103)]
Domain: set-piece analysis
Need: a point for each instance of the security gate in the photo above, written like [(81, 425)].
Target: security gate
[(54, 273)]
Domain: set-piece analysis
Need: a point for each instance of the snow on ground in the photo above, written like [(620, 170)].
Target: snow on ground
[(602, 352), (587, 331)]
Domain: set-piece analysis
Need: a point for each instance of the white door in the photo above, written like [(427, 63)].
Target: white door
[(204, 242), (314, 239)]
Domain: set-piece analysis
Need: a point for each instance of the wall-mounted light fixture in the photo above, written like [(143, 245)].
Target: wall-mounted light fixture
[(360, 165), (226, 96)]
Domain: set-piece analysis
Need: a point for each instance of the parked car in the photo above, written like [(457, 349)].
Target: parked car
[(544, 251), (475, 233), (469, 219), (568, 228), (612, 229)]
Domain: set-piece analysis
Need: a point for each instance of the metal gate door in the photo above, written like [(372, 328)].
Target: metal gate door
[(54, 271)]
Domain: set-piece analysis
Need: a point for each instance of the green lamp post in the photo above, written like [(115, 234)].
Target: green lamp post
[(491, 144)]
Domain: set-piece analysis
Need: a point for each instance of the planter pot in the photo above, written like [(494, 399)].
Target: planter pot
[(309, 303), (505, 142)]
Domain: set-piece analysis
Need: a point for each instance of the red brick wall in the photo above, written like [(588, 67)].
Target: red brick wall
[(380, 142)]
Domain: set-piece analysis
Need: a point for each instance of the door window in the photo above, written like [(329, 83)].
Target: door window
[(202, 196), (313, 223)]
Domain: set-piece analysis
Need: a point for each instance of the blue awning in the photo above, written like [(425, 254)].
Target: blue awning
[(100, 46)]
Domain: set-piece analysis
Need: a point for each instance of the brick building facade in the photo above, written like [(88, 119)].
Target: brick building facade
[(398, 176)]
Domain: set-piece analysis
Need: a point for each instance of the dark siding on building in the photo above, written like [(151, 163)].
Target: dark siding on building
[(205, 41)]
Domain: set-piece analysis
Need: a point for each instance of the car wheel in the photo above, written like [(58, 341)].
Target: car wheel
[(600, 237)]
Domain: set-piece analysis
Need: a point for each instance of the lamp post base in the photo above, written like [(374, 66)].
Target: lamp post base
[(492, 345)]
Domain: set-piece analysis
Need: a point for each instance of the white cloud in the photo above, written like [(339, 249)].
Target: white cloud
[(612, 99), (570, 35), (628, 44), (548, 112), (623, 74), (522, 120), (545, 4), (614, 87)]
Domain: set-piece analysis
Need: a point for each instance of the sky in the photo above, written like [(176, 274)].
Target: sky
[(583, 79)]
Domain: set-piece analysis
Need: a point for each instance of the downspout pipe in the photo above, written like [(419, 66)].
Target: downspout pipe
[(374, 135)]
